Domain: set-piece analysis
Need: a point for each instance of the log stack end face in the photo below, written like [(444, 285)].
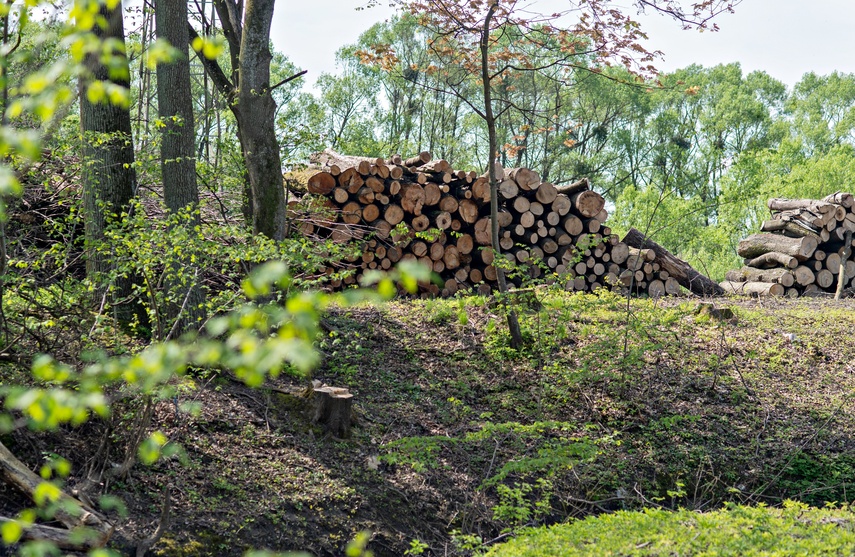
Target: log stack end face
[(549, 230)]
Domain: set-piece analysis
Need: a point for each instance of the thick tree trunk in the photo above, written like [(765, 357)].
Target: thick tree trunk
[(248, 92), (175, 104), (178, 163), (109, 178), (257, 128)]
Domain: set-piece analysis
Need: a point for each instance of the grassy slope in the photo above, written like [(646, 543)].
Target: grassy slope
[(655, 407)]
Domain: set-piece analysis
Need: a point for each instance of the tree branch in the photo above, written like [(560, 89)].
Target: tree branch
[(288, 79), (215, 72)]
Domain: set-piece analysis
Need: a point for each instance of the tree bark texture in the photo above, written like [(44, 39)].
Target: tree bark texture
[(177, 160), (72, 514), (175, 104), (109, 177), (492, 143), (258, 109)]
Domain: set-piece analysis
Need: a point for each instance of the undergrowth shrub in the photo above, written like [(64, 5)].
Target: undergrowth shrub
[(794, 530)]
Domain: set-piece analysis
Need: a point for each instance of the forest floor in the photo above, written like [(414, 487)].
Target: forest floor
[(460, 439)]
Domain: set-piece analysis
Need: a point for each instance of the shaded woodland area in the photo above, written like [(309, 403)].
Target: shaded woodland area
[(188, 367)]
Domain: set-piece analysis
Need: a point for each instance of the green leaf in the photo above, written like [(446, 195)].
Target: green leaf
[(11, 531)]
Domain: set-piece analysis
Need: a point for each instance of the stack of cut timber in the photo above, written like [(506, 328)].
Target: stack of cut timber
[(422, 209), (802, 250)]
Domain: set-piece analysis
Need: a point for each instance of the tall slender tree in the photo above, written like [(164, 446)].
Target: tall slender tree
[(491, 43), (109, 176), (177, 153)]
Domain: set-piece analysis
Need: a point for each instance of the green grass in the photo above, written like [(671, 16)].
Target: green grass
[(794, 530)]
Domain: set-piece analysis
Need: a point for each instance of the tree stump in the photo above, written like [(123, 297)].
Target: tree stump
[(333, 410)]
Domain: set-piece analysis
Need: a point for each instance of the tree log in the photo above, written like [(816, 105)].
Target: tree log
[(795, 228), (778, 204), (681, 271), (575, 187), (588, 203), (804, 275), (526, 178), (772, 259), (847, 200), (321, 183), (753, 288), (783, 277), (758, 244), (420, 159), (70, 512)]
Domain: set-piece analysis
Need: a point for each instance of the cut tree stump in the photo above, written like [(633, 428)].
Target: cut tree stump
[(333, 410)]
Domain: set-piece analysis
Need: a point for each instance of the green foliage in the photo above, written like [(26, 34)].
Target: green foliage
[(166, 258), (795, 529)]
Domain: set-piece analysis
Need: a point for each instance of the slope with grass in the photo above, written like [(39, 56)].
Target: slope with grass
[(461, 441)]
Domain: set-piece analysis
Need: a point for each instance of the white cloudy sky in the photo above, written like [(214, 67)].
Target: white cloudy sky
[(785, 38)]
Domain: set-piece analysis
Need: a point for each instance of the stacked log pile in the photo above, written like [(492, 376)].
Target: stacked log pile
[(803, 249), (422, 209)]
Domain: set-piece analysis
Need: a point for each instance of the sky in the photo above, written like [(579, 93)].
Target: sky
[(784, 38)]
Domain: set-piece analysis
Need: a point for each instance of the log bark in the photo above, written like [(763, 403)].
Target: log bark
[(772, 259), (795, 228), (847, 200), (681, 271), (753, 288), (758, 244), (70, 512), (778, 204), (575, 187), (783, 277)]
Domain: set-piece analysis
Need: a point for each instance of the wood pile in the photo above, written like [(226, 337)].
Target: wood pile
[(803, 249), (423, 209), (657, 272)]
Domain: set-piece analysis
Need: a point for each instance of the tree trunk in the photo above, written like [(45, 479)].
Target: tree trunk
[(109, 178), (178, 163), (492, 143), (248, 93), (258, 110)]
